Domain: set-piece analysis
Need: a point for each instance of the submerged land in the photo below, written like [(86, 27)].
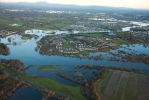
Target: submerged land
[(74, 52)]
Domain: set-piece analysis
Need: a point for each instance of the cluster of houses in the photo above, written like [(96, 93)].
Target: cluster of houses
[(4, 33), (94, 27), (85, 27), (78, 43)]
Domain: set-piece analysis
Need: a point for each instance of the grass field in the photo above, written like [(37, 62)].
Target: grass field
[(66, 90), (67, 45), (50, 67), (26, 36), (121, 85), (56, 23), (78, 74), (69, 91), (85, 53), (120, 41), (96, 35), (6, 23)]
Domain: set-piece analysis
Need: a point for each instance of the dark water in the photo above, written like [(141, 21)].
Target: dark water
[(27, 94)]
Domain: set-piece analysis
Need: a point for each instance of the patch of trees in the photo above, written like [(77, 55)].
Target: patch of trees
[(1, 71), (89, 90), (9, 85), (129, 37), (14, 65), (4, 50), (137, 58), (69, 78)]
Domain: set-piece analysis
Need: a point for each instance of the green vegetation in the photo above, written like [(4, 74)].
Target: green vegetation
[(54, 49), (121, 89), (43, 23), (66, 90), (96, 35), (8, 70), (114, 28), (123, 85), (59, 25), (6, 23), (120, 41), (26, 36), (104, 49), (85, 53), (116, 47), (78, 74), (2, 46), (46, 27), (101, 83), (70, 91), (50, 67), (67, 45)]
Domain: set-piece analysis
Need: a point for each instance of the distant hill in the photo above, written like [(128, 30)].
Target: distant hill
[(64, 6)]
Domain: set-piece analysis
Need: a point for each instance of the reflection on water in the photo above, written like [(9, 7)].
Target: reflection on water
[(27, 94), (140, 24), (25, 51)]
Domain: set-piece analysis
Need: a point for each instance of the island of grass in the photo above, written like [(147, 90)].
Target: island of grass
[(78, 74), (26, 36), (48, 67), (121, 85)]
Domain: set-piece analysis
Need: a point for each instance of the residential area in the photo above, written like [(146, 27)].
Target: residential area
[(63, 44)]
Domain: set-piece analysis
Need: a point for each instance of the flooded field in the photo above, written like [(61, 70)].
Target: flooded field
[(25, 51)]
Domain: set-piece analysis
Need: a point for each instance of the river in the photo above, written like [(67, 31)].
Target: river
[(25, 51)]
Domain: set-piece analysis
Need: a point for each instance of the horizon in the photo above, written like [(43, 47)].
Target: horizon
[(137, 4)]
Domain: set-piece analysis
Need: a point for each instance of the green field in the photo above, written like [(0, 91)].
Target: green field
[(96, 35), (85, 53), (26, 36), (55, 23), (48, 67), (6, 23), (67, 45), (66, 90), (121, 85), (120, 41), (78, 74), (69, 91)]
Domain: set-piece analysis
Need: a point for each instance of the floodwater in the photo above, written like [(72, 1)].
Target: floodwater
[(25, 51), (27, 94), (139, 24)]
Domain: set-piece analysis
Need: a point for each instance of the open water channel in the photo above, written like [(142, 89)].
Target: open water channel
[(25, 51)]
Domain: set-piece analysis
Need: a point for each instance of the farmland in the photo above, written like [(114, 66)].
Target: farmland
[(120, 85)]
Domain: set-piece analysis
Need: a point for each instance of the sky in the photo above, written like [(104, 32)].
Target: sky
[(143, 4)]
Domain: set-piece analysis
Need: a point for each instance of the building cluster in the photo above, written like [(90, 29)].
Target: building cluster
[(4, 33), (77, 44), (85, 27)]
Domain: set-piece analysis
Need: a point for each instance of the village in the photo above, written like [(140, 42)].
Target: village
[(81, 53), (4, 33), (63, 44)]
